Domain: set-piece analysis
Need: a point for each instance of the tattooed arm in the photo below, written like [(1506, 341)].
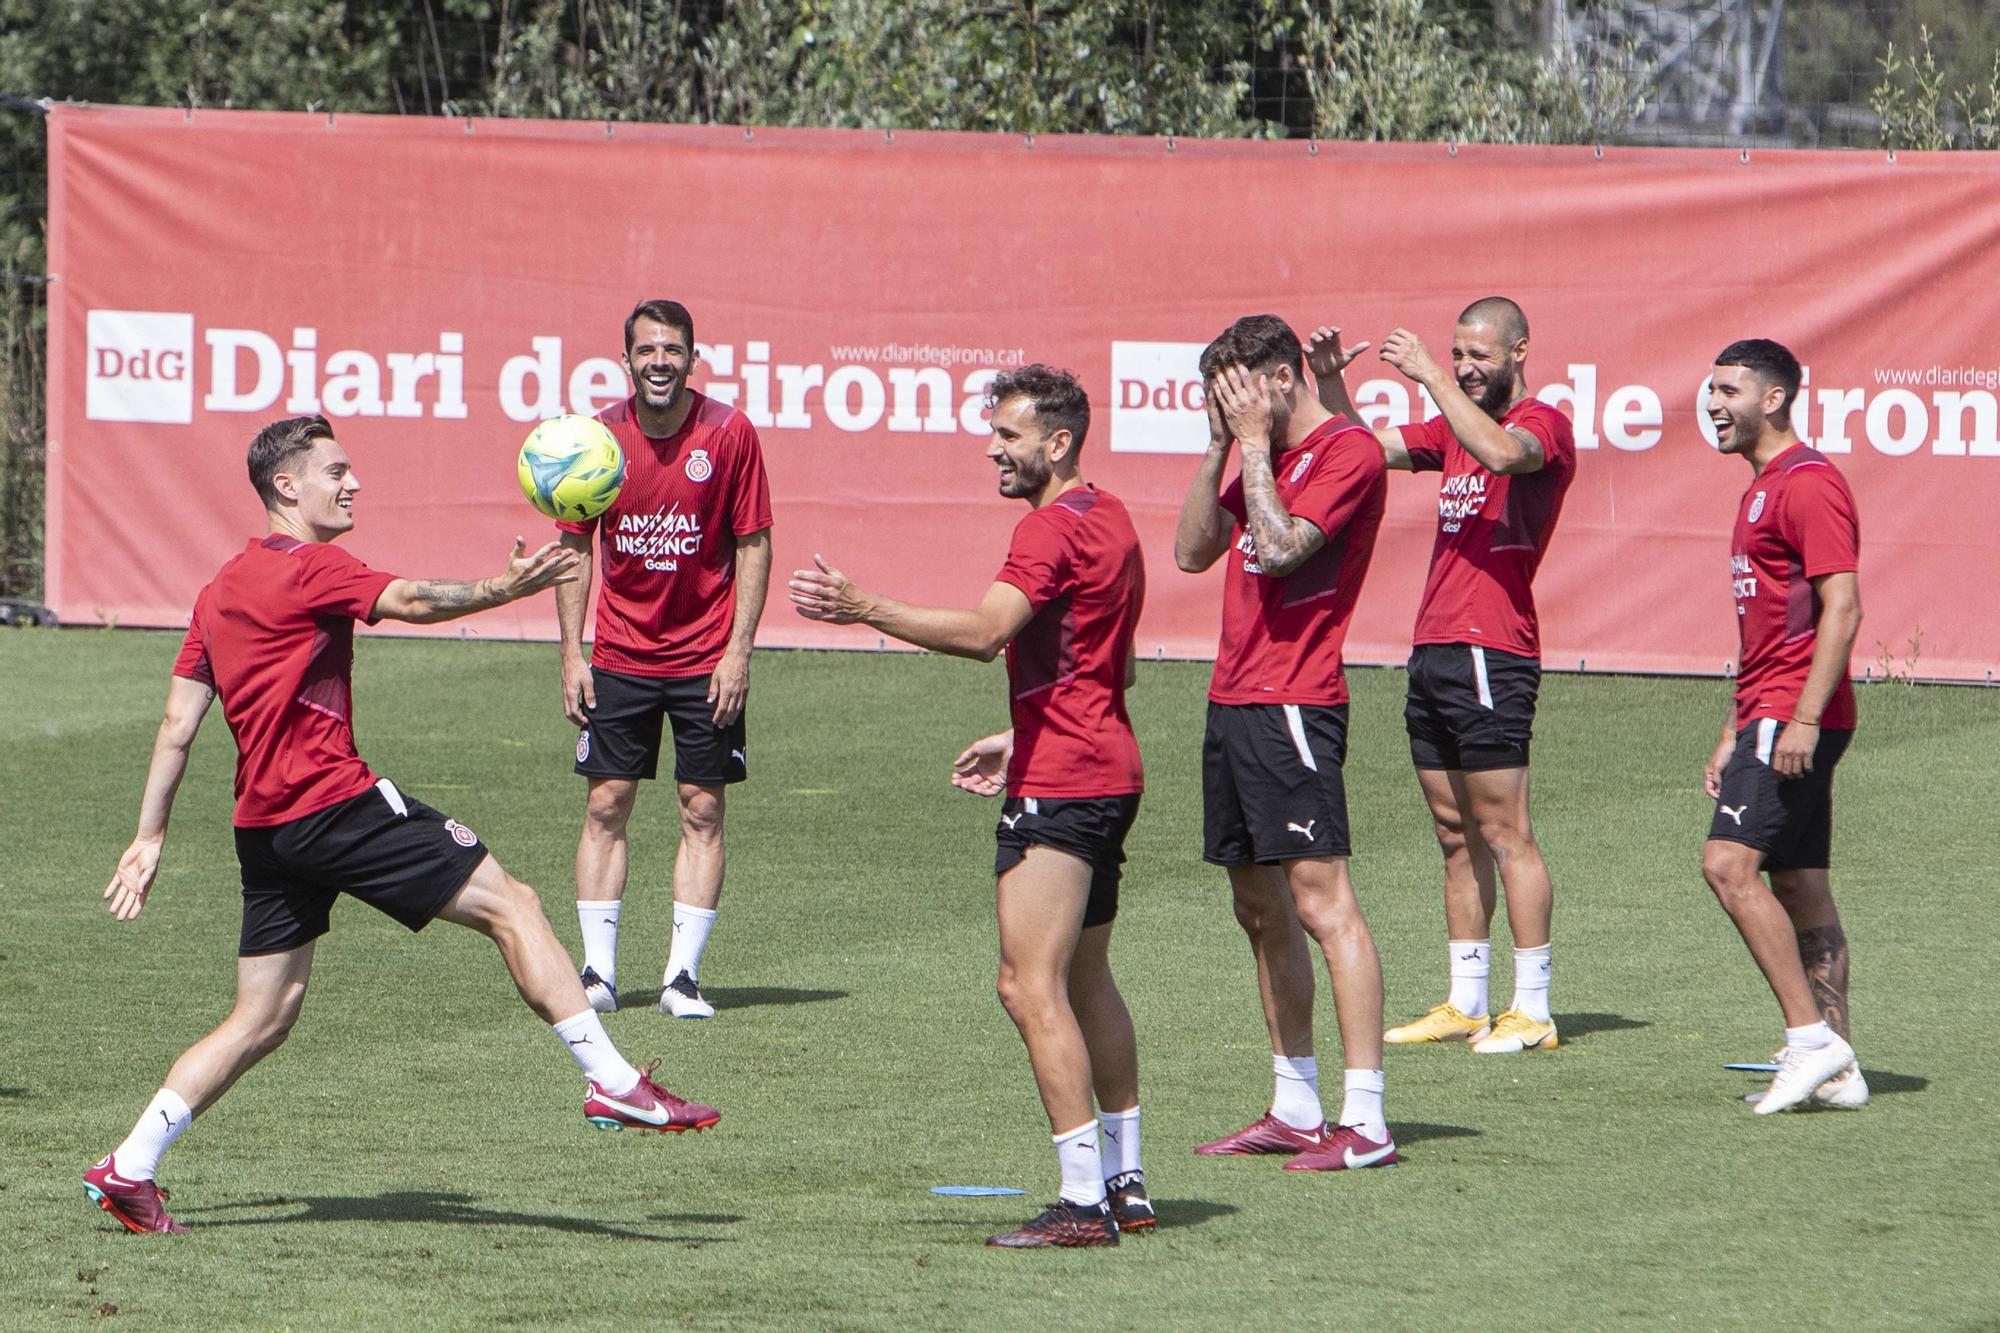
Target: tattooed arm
[(426, 601), (1283, 542)]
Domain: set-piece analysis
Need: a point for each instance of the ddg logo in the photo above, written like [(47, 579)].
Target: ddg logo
[(140, 366), (1157, 405)]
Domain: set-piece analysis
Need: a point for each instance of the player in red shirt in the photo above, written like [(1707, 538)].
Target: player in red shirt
[(1475, 662), (685, 556), (273, 635), (1064, 607), (1793, 566), (1298, 528)]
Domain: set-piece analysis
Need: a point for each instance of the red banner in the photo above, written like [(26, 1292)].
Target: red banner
[(434, 287)]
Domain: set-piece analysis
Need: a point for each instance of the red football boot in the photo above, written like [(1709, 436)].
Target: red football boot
[(1346, 1149), (139, 1204), (1268, 1136), (648, 1106)]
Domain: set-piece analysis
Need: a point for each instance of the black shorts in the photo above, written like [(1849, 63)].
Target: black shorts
[(1271, 789), (622, 739), (1090, 828), (394, 853), (1470, 708), (1790, 820)]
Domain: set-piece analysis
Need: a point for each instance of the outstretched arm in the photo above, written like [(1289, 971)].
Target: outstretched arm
[(572, 601), (187, 705), (427, 601), (1327, 359), (827, 595)]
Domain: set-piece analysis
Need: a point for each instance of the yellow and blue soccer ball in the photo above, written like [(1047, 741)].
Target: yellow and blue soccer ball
[(571, 468)]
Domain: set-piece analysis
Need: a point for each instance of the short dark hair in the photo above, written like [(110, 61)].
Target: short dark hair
[(1255, 342), (1059, 400), (1500, 312), (1771, 362), (661, 311), (276, 446)]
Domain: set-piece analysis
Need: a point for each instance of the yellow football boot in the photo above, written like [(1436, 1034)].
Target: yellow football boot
[(1442, 1023), (1515, 1031)]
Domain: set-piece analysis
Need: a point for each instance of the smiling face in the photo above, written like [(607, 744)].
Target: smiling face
[(320, 485), (658, 359), (1486, 365), (1025, 453), (1740, 405)]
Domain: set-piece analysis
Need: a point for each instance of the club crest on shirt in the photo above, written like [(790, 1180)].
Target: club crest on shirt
[(698, 466), (1757, 507), (460, 834), (1299, 468)]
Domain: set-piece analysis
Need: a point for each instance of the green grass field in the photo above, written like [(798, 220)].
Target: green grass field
[(415, 1157)]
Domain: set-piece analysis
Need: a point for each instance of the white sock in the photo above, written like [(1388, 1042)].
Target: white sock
[(1361, 1103), (691, 927), (1811, 1037), (602, 1064), (1082, 1164), (1121, 1142), (599, 921), (1295, 1098), (1531, 983), (1471, 964), (138, 1157)]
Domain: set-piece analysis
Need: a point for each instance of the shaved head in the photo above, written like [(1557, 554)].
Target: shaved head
[(1501, 313)]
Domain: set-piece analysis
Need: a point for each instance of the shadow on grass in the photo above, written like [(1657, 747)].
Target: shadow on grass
[(422, 1206), (1882, 1081), (737, 997), (1190, 1212), (14, 1094), (1408, 1132), (1572, 1026)]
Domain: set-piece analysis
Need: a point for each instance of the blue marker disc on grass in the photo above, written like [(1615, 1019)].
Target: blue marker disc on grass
[(974, 1191)]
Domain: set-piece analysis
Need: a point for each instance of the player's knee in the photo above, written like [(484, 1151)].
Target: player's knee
[(1729, 879), (607, 811), (1328, 917), (701, 818), (1506, 839), (1451, 838)]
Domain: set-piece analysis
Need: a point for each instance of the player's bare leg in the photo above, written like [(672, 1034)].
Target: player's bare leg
[(1295, 1120), (616, 1094), (1807, 897), (1470, 896), (270, 989), (1105, 1022), (602, 855), (1285, 984), (698, 868), (1324, 897), (509, 913), (1814, 1054), (1735, 874), (1495, 805), (1323, 894), (1040, 903), (1114, 1075)]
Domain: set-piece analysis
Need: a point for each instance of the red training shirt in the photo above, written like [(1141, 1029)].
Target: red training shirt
[(1281, 637), (1796, 522), (1077, 560), (666, 551), (273, 635), (1492, 532)]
